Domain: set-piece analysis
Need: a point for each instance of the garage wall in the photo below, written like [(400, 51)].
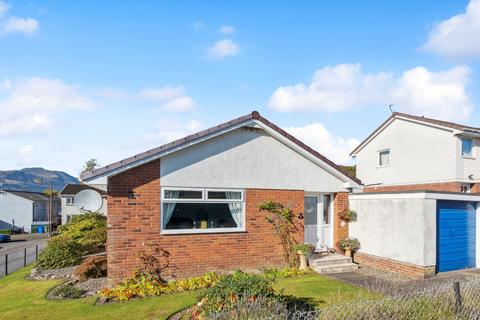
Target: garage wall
[(398, 229)]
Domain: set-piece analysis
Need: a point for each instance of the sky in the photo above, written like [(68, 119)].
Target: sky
[(109, 79)]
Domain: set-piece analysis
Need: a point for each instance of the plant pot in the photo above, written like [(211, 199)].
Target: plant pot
[(303, 261), (348, 253)]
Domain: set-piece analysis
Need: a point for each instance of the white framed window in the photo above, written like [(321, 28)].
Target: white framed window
[(384, 158), (70, 201), (465, 187), (202, 210), (467, 147)]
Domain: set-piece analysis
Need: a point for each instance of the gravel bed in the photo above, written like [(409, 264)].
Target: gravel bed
[(64, 273), (92, 286), (383, 275)]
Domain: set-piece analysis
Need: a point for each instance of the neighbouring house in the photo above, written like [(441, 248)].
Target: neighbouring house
[(418, 212), (67, 196), (28, 210), (198, 197)]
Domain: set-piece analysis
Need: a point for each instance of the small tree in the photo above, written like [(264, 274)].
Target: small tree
[(90, 165), (155, 262), (283, 220)]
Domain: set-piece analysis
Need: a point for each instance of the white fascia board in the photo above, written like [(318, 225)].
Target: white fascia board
[(415, 195)]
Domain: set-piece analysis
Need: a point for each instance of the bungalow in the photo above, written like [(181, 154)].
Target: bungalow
[(418, 212), (198, 197)]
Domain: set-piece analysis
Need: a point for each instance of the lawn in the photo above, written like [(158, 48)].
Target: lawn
[(322, 291), (23, 299)]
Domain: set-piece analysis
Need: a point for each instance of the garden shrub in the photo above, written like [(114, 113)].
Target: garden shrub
[(61, 252), (145, 286), (245, 309), (89, 230), (68, 291), (92, 267), (233, 288)]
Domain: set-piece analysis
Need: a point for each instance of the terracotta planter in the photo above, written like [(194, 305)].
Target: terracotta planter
[(348, 253)]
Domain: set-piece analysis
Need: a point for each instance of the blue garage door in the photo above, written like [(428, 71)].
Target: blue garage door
[(455, 235)]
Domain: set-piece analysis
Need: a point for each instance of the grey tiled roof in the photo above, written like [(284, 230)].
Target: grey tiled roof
[(73, 189)]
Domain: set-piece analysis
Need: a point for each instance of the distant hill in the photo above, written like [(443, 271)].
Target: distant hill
[(34, 179)]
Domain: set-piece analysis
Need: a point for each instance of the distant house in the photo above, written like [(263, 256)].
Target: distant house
[(67, 196), (27, 210), (409, 152)]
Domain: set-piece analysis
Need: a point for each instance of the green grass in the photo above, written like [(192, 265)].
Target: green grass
[(24, 299), (322, 291)]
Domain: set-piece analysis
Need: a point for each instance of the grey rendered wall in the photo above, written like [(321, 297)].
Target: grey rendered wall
[(14, 207), (245, 158), (399, 229)]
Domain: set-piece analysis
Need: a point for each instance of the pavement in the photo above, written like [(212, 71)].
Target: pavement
[(19, 242)]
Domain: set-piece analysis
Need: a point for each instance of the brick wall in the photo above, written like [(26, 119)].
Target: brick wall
[(444, 186), (134, 219), (408, 269), (340, 232)]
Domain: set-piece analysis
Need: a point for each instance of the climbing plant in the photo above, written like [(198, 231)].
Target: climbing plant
[(283, 220)]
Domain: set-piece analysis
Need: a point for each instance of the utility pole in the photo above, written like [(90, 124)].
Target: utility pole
[(50, 223)]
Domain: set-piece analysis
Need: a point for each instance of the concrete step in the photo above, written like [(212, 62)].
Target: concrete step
[(336, 268), (329, 260)]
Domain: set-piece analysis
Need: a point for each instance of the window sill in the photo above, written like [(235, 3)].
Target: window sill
[(386, 166), (201, 231), (468, 157)]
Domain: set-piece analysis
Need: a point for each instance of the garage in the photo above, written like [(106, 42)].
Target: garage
[(456, 230), (417, 233)]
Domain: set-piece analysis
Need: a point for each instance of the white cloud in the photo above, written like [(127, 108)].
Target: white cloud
[(222, 49), (30, 104), (169, 130), (345, 87), (458, 36), (317, 136), (19, 25), (226, 29), (4, 7), (173, 99)]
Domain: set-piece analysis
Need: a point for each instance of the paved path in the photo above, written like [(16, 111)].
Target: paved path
[(383, 285)]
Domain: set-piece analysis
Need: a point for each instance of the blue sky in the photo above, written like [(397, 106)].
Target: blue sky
[(108, 79)]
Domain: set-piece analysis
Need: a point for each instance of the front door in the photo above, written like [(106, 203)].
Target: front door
[(318, 212)]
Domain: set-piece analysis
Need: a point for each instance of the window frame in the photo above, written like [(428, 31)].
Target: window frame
[(203, 200), (71, 202), (379, 152), (471, 155)]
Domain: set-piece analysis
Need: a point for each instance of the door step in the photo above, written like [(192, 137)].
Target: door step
[(334, 263)]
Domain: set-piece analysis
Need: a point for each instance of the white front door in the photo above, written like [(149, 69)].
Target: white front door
[(318, 215)]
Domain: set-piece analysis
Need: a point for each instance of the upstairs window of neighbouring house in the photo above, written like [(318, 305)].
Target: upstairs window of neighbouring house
[(192, 210), (467, 147), (70, 201), (383, 158)]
